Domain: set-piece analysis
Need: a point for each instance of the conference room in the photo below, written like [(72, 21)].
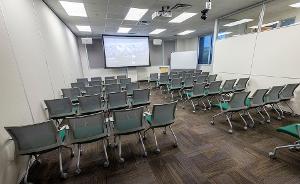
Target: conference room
[(149, 91)]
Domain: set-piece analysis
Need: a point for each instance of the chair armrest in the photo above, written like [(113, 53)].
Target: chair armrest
[(147, 114)]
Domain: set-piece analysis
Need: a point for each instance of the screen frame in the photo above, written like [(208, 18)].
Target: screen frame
[(125, 36)]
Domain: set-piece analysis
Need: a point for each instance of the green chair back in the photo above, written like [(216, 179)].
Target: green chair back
[(153, 77), (90, 104), (117, 100), (85, 81), (126, 121), (123, 82), (188, 82), (72, 93), (141, 96), (201, 79), (288, 92), (214, 88), (258, 98), (273, 95), (163, 114), (238, 100), (130, 87), (211, 78), (95, 83), (198, 90), (96, 79), (112, 88), (93, 90), (228, 86), (59, 107), (241, 84)]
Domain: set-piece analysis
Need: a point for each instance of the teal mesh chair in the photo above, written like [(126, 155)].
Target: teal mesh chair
[(72, 93), (201, 79), (287, 94), (119, 77), (241, 84), (188, 83), (125, 81), (228, 86), (108, 78), (175, 86), (187, 75), (111, 81), (174, 76), (272, 98), (96, 79), (213, 91), (256, 101), (153, 79), (88, 129), (127, 122), (197, 93), (236, 104), (95, 83), (162, 116), (79, 85), (85, 81), (112, 88), (205, 73), (90, 104), (140, 97), (163, 82), (36, 139), (211, 78), (117, 101), (196, 75), (292, 130), (131, 87), (93, 90)]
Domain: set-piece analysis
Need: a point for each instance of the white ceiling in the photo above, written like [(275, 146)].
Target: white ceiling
[(105, 16)]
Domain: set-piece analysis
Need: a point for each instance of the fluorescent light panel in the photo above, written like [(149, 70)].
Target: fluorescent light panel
[(296, 5), (186, 32), (182, 17), (265, 25), (157, 31), (83, 28), (74, 9), (224, 33), (135, 14), (124, 29), (238, 22)]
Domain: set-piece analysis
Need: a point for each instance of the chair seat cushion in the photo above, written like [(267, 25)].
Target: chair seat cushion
[(290, 130), (223, 106), (62, 134), (149, 118)]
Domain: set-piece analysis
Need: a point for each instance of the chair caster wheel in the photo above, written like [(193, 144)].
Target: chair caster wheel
[(194, 111), (282, 117), (268, 121), (157, 151), (78, 171), (212, 123), (230, 131), (175, 145), (121, 160), (245, 128), (106, 164), (279, 118), (63, 175), (272, 155)]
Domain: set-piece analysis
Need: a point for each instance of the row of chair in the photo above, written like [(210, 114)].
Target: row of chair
[(37, 139), (85, 83)]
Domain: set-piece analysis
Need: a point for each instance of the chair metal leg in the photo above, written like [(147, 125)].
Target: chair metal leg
[(230, 124), (209, 103), (121, 160), (27, 170), (78, 159), (252, 120), (203, 105), (62, 173), (165, 130), (194, 107), (213, 118), (143, 146), (273, 153), (281, 111), (263, 118), (175, 138), (293, 112), (106, 163), (278, 113), (156, 144), (245, 122), (269, 118), (144, 137)]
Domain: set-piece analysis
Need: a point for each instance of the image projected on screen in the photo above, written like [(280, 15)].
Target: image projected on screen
[(126, 51)]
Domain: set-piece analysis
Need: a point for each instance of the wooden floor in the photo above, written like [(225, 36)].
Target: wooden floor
[(206, 154)]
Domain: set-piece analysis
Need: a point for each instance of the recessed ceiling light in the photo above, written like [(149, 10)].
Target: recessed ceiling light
[(238, 22), (224, 33), (74, 9), (182, 17), (186, 32), (135, 14), (265, 25), (157, 31), (124, 29), (296, 5), (84, 28)]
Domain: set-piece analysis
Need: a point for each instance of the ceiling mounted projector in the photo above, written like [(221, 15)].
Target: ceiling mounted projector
[(165, 12)]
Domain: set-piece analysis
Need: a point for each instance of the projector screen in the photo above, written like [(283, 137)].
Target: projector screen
[(126, 51)]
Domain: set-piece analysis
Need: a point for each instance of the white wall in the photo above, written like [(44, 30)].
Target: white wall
[(39, 55), (271, 59)]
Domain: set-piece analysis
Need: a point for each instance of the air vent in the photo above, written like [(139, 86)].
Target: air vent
[(144, 23), (180, 5)]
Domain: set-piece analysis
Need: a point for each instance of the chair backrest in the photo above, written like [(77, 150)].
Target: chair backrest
[(153, 76), (188, 75), (89, 104), (87, 128), (111, 81), (199, 89), (85, 81), (205, 73), (112, 88), (141, 96), (241, 84), (214, 87), (131, 86), (72, 93), (34, 138), (128, 120), (175, 76), (117, 99), (59, 107), (125, 81), (201, 79), (196, 75), (288, 92), (258, 97), (188, 82), (163, 78), (79, 85), (109, 78), (93, 90), (273, 94), (176, 83), (211, 78), (238, 100), (96, 79), (121, 77), (95, 83), (228, 86), (198, 71), (163, 114), (165, 73)]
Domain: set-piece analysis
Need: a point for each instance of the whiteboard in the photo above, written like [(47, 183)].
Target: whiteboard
[(184, 60)]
